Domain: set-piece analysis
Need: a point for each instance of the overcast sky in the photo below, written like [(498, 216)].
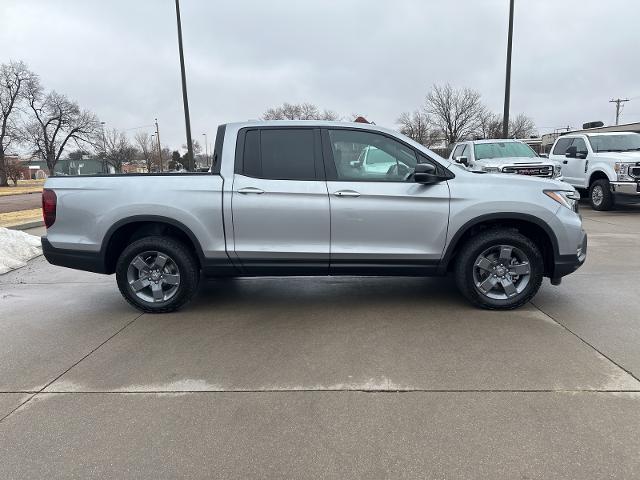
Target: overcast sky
[(378, 58)]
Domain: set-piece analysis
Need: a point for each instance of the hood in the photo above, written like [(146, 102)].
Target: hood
[(619, 156), (499, 162), (498, 179)]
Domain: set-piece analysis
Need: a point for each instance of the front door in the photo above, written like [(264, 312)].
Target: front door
[(381, 221), (573, 168), (280, 203)]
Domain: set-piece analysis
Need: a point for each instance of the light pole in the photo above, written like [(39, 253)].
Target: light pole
[(185, 100), (159, 148), (104, 148), (206, 148), (507, 84)]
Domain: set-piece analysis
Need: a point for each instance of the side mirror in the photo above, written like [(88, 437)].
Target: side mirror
[(425, 173), (543, 155), (571, 152), (582, 155), (463, 160), (355, 164)]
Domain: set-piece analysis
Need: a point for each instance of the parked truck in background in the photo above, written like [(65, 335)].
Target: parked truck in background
[(603, 166), (315, 198), (504, 156)]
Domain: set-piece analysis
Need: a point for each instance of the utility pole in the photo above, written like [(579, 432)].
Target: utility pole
[(507, 83), (206, 148), (159, 148), (619, 106), (185, 100)]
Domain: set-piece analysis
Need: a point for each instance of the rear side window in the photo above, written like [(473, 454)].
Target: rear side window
[(561, 146), (279, 154)]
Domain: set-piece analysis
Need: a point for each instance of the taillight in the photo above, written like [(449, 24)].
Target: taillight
[(49, 202)]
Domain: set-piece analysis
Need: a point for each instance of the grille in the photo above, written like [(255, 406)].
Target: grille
[(533, 171)]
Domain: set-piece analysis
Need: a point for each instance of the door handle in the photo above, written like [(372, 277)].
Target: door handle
[(255, 190), (346, 193)]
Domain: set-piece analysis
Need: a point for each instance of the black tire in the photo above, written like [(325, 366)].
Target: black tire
[(470, 252), (584, 192), (600, 195), (183, 262)]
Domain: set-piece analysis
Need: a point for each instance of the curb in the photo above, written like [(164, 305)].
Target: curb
[(27, 225)]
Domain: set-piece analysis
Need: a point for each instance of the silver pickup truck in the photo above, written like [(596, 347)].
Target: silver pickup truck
[(296, 198)]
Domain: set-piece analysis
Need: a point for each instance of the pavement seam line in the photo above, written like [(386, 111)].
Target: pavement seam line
[(589, 345), (312, 390), (68, 369)]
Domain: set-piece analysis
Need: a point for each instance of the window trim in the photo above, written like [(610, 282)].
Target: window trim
[(317, 152), (331, 172)]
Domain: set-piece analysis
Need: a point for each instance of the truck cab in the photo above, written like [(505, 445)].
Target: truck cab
[(604, 166)]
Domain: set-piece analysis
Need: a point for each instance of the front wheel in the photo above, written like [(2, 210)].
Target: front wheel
[(157, 274), (499, 269), (600, 195)]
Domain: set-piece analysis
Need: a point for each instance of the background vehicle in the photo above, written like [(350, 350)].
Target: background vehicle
[(601, 165), (285, 198), (504, 156)]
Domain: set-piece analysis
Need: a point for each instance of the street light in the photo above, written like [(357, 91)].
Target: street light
[(507, 83), (185, 100), (104, 148), (206, 148)]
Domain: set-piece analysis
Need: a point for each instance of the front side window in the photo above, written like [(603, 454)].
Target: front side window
[(561, 146), (366, 156), (579, 143), (458, 151), (503, 150), (279, 154), (615, 143)]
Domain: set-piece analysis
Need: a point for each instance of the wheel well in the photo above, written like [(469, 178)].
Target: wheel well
[(133, 231), (597, 176), (534, 232)]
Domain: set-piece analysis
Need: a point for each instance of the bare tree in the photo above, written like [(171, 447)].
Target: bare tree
[(417, 126), (455, 112), (522, 126), (13, 169), (490, 126), (117, 149), (145, 145), (57, 121), (299, 111), (15, 80)]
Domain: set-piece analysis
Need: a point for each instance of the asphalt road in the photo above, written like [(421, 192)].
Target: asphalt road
[(13, 203), (326, 377)]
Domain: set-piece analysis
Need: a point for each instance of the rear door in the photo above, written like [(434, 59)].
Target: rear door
[(381, 221), (280, 204)]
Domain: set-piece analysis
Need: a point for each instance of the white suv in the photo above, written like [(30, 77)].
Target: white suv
[(602, 165), (504, 156)]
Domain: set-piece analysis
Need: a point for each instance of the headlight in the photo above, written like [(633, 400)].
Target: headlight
[(566, 198), (557, 171), (622, 169), (490, 169)]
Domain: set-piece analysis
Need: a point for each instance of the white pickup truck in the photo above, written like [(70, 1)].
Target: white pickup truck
[(504, 156), (604, 165)]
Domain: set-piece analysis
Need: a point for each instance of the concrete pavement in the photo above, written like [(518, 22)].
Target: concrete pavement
[(299, 377)]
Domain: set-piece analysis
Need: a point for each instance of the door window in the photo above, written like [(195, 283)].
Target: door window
[(561, 146), (365, 156), (581, 146), (466, 152), (279, 154), (458, 151)]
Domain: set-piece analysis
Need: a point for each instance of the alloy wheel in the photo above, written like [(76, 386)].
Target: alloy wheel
[(501, 272), (153, 276)]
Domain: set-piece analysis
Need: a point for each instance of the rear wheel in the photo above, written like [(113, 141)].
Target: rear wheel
[(601, 196), (157, 274), (499, 269)]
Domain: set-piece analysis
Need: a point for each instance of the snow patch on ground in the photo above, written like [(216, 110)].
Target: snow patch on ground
[(16, 248)]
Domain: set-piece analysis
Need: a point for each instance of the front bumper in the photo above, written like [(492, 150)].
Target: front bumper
[(566, 264), (626, 188)]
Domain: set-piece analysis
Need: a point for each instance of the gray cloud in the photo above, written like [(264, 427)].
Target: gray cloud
[(378, 58)]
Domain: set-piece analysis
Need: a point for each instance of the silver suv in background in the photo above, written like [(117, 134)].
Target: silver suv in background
[(315, 198), (504, 156)]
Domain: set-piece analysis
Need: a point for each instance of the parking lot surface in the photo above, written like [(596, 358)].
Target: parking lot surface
[(326, 377)]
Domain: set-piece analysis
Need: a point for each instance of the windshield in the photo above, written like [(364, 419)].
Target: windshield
[(615, 143), (503, 150)]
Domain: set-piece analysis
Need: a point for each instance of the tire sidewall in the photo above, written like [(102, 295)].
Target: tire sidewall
[(607, 196), (178, 253), (516, 240)]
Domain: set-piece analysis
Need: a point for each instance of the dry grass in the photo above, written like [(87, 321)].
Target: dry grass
[(24, 186), (21, 216)]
